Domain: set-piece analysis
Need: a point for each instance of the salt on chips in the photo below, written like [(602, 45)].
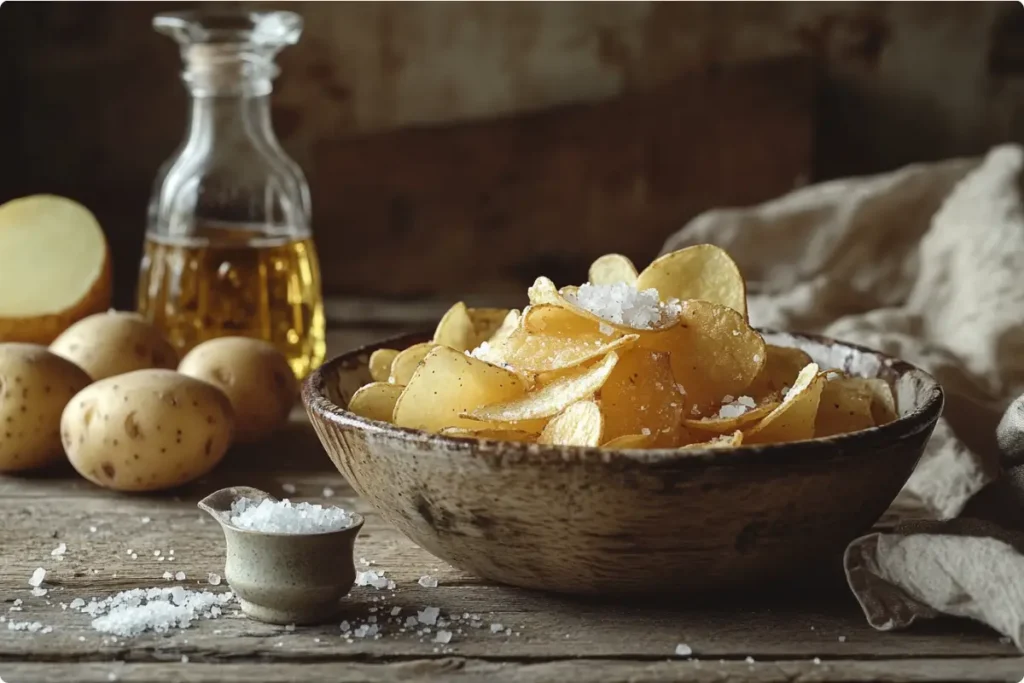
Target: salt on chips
[(794, 418), (723, 425), (703, 271), (550, 399), (724, 441), (641, 397), (543, 291), (612, 268), (580, 424), (447, 384), (375, 401)]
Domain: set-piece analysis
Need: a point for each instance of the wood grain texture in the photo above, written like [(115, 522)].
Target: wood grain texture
[(960, 670), (607, 640)]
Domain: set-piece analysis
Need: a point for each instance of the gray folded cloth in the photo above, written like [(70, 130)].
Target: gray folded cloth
[(925, 263)]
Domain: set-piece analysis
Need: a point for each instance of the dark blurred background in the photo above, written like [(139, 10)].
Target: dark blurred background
[(458, 148)]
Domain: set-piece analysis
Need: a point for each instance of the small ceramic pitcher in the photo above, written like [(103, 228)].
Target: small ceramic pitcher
[(284, 578)]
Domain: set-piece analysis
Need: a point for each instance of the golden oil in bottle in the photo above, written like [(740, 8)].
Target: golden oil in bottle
[(231, 282)]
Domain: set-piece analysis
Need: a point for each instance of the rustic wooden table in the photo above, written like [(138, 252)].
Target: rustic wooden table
[(820, 636)]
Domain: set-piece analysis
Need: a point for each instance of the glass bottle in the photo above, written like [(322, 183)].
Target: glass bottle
[(228, 249)]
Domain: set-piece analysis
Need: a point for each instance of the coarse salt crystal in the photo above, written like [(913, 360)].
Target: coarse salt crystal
[(328, 492), (180, 576), (38, 592), (624, 305), (288, 488), (496, 628), (428, 615), (443, 637), (842, 639), (77, 603), (645, 431), (373, 578), (287, 518), (213, 579), (395, 611), (184, 659), (606, 329), (749, 660), (37, 577), (682, 650), (757, 358), (92, 530), (30, 626), (427, 581), (145, 520), (167, 576), (817, 660), (59, 550), (156, 553)]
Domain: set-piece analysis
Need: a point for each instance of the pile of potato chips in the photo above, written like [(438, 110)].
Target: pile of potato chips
[(610, 364)]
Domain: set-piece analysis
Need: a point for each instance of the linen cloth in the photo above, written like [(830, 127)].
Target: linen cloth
[(925, 263)]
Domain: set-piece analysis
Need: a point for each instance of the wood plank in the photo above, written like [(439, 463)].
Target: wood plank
[(543, 626), (591, 670)]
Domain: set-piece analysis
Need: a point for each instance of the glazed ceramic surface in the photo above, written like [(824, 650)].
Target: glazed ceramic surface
[(594, 521), (284, 578)]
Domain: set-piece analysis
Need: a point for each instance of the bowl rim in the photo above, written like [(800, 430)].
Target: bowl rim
[(850, 444)]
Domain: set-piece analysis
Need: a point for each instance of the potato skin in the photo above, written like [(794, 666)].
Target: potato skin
[(113, 343), (35, 385), (146, 430), (254, 376)]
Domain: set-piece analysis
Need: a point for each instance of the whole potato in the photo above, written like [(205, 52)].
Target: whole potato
[(35, 385), (254, 375), (113, 343), (146, 430)]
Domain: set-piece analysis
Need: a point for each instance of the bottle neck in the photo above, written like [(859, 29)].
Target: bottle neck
[(231, 120)]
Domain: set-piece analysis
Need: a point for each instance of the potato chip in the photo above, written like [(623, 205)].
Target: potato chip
[(464, 329), (883, 405), (507, 327), (406, 361), (380, 364), (781, 367), (641, 397), (722, 425), (724, 441), (554, 320), (550, 399), (447, 384), (713, 352), (375, 401), (627, 441), (845, 407), (581, 424), (794, 419), (703, 271), (612, 268), (533, 353), (493, 434)]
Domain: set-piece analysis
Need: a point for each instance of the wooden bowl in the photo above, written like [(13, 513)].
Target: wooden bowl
[(628, 522)]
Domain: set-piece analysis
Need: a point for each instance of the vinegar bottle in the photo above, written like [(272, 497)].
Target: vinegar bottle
[(228, 247)]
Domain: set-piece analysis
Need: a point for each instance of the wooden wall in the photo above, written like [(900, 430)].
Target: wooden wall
[(467, 147)]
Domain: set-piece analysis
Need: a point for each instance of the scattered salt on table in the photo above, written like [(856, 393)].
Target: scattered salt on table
[(77, 603), (372, 578), (496, 628), (184, 659), (284, 517), (817, 660), (180, 576), (135, 611), (167, 576), (145, 520), (30, 626), (328, 492), (682, 650), (428, 615), (842, 639), (443, 637), (59, 550), (92, 530), (395, 611), (427, 581), (749, 660), (37, 577), (39, 592), (213, 579)]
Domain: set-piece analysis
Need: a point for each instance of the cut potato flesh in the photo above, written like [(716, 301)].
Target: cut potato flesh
[(54, 267)]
